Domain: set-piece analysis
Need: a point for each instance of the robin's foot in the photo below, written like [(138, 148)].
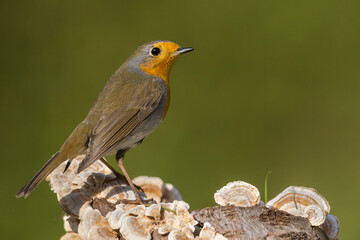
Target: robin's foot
[(118, 175), (121, 178), (138, 199)]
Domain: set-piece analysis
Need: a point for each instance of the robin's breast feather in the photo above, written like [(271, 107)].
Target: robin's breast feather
[(163, 74)]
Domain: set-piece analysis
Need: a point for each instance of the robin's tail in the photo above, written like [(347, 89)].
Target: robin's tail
[(53, 163)]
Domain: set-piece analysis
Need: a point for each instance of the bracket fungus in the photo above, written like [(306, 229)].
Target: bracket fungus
[(156, 189), (95, 226), (153, 186), (70, 236), (331, 227), (238, 193), (209, 233), (304, 202)]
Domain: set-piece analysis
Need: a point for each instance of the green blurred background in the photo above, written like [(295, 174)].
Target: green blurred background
[(272, 85)]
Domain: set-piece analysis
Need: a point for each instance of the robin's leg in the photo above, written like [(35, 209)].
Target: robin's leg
[(118, 175), (138, 200)]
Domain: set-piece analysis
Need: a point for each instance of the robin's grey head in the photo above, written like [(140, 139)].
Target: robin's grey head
[(157, 57)]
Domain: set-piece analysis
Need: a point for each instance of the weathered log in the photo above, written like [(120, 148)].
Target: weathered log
[(258, 222)]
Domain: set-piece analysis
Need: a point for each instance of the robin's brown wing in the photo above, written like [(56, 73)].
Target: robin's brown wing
[(116, 126)]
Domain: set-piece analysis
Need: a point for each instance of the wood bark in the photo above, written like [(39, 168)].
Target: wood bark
[(258, 222)]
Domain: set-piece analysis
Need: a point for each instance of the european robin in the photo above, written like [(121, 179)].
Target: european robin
[(132, 104)]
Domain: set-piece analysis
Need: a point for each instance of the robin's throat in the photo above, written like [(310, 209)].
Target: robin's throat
[(159, 69)]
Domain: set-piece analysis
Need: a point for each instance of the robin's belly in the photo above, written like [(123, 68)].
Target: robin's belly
[(143, 130)]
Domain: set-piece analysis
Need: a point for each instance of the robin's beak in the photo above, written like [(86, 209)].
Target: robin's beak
[(180, 51)]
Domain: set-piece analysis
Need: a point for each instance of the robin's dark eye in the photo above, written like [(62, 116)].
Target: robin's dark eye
[(155, 51)]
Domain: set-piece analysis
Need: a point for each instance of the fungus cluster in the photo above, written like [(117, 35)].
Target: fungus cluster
[(92, 201)]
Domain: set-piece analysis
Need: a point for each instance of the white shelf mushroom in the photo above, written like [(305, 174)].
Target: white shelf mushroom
[(156, 189), (94, 226), (209, 233), (238, 193), (152, 186), (136, 227), (304, 202), (70, 236)]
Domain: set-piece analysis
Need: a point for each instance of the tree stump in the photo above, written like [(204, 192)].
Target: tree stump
[(93, 199)]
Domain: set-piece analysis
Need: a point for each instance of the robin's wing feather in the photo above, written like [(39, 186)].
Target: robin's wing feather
[(117, 125)]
